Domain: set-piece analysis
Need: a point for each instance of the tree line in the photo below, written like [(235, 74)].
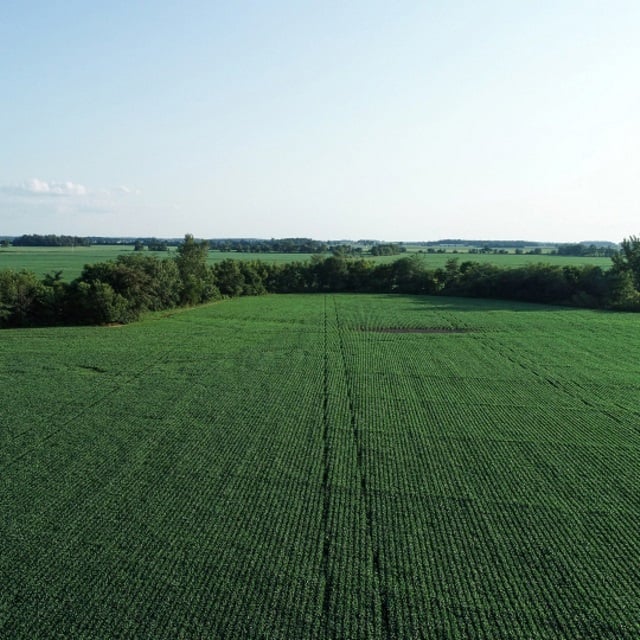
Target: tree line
[(50, 240), (120, 290), (582, 249), (282, 245)]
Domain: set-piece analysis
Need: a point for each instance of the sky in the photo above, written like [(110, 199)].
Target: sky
[(394, 121)]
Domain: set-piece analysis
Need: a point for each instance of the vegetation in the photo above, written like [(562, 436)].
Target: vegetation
[(282, 245), (323, 466), (120, 290), (388, 249), (51, 240), (584, 249)]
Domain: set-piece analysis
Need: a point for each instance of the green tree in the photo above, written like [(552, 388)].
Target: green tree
[(410, 276), (624, 275), (145, 282), (22, 298), (96, 302), (628, 259), (197, 279)]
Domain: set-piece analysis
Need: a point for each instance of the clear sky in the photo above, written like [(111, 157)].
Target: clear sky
[(332, 120)]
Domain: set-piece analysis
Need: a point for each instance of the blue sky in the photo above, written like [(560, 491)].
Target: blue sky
[(389, 120)]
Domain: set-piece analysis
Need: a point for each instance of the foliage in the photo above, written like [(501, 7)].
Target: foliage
[(282, 245), (51, 240), (96, 302), (197, 280), (585, 249), (157, 245), (626, 272), (23, 298), (388, 249)]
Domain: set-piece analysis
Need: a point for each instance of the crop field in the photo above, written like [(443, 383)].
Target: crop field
[(323, 466), (70, 261)]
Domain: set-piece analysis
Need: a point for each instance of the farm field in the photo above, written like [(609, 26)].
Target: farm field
[(323, 466), (70, 261), (43, 260)]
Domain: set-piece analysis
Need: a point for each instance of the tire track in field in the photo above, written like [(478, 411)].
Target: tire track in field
[(516, 358), (326, 496), (364, 492), (114, 390)]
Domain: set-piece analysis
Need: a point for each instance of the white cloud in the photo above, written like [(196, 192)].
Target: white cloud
[(38, 187), (43, 188), (69, 204)]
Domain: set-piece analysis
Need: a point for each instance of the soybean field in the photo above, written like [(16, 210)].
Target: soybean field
[(323, 466)]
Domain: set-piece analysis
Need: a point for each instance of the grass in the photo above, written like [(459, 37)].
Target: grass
[(284, 467)]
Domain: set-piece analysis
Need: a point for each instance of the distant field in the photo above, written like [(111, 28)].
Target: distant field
[(323, 466), (44, 260), (435, 260), (70, 261)]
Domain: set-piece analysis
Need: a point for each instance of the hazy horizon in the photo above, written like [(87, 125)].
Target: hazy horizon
[(351, 120), (408, 242)]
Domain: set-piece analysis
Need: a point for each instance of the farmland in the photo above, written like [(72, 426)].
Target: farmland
[(43, 260), (323, 466)]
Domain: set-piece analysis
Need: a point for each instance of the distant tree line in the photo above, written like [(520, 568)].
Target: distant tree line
[(282, 245), (491, 244), (583, 250), (387, 249), (152, 244), (120, 290), (36, 240)]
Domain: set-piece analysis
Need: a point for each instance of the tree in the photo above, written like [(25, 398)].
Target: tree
[(197, 280), (628, 259), (145, 282), (96, 302), (388, 249), (410, 276), (331, 273), (22, 298), (624, 275)]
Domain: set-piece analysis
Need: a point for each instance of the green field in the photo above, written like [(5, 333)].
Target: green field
[(323, 466), (70, 261), (43, 260)]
